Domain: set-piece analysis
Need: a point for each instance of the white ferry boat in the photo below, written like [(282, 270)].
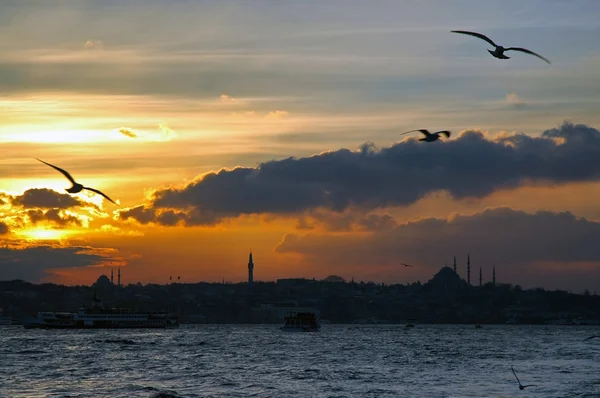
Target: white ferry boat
[(301, 322), (99, 317)]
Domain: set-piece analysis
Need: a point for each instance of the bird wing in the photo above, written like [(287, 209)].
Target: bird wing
[(511, 368), (426, 132), (406, 265), (98, 192), (589, 338), (444, 132), (64, 172), (524, 50), (483, 37)]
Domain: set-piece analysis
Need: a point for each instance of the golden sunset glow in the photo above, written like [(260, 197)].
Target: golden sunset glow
[(44, 234), (243, 132)]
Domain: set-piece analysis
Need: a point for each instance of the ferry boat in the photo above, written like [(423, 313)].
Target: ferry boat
[(301, 322), (99, 317)]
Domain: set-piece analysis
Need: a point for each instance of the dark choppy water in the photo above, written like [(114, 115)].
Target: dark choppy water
[(340, 361)]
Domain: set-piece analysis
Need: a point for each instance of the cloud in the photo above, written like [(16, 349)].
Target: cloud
[(46, 199), (470, 166), (93, 44), (226, 98), (107, 228), (165, 133), (514, 100), (4, 230), (345, 221), (34, 262), (127, 132), (494, 236), (55, 216), (276, 114)]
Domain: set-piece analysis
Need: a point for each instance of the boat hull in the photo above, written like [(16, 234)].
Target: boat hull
[(81, 326)]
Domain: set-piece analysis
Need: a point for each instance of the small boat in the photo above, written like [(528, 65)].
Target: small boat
[(477, 326), (409, 325), (301, 322)]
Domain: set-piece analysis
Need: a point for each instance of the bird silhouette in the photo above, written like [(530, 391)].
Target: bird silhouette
[(406, 265), (521, 386), (592, 337), (76, 186), (430, 137), (499, 50)]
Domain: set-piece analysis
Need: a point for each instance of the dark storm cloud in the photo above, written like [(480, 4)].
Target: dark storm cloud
[(33, 263), (4, 228), (498, 235), (46, 199), (469, 166)]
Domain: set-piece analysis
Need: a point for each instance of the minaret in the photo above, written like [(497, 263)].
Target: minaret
[(455, 265), (479, 276), (119, 278), (469, 269), (112, 276), (250, 270), (494, 276)]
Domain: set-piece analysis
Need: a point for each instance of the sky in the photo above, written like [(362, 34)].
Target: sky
[(224, 127)]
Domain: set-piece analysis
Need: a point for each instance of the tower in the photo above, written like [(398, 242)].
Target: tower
[(479, 276), (455, 265), (119, 278), (469, 269), (112, 276), (494, 276), (250, 270)]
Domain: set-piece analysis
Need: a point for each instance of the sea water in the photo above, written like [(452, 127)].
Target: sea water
[(338, 361)]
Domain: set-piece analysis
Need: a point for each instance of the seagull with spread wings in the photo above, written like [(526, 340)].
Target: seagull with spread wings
[(76, 186), (406, 265), (499, 50), (521, 386), (430, 137)]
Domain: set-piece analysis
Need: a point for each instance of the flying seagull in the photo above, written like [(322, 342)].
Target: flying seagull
[(592, 337), (499, 50), (406, 265), (521, 386), (76, 186), (430, 137)]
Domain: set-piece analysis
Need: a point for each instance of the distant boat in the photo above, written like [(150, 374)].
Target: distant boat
[(301, 322), (409, 325), (477, 326)]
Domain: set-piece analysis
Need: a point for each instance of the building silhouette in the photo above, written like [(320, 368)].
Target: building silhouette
[(250, 270), (494, 276), (119, 278), (469, 269), (112, 276), (479, 276), (455, 265)]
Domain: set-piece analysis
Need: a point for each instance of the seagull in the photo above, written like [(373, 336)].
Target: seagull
[(591, 337), (76, 186), (406, 265), (430, 137), (499, 50), (521, 386)]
